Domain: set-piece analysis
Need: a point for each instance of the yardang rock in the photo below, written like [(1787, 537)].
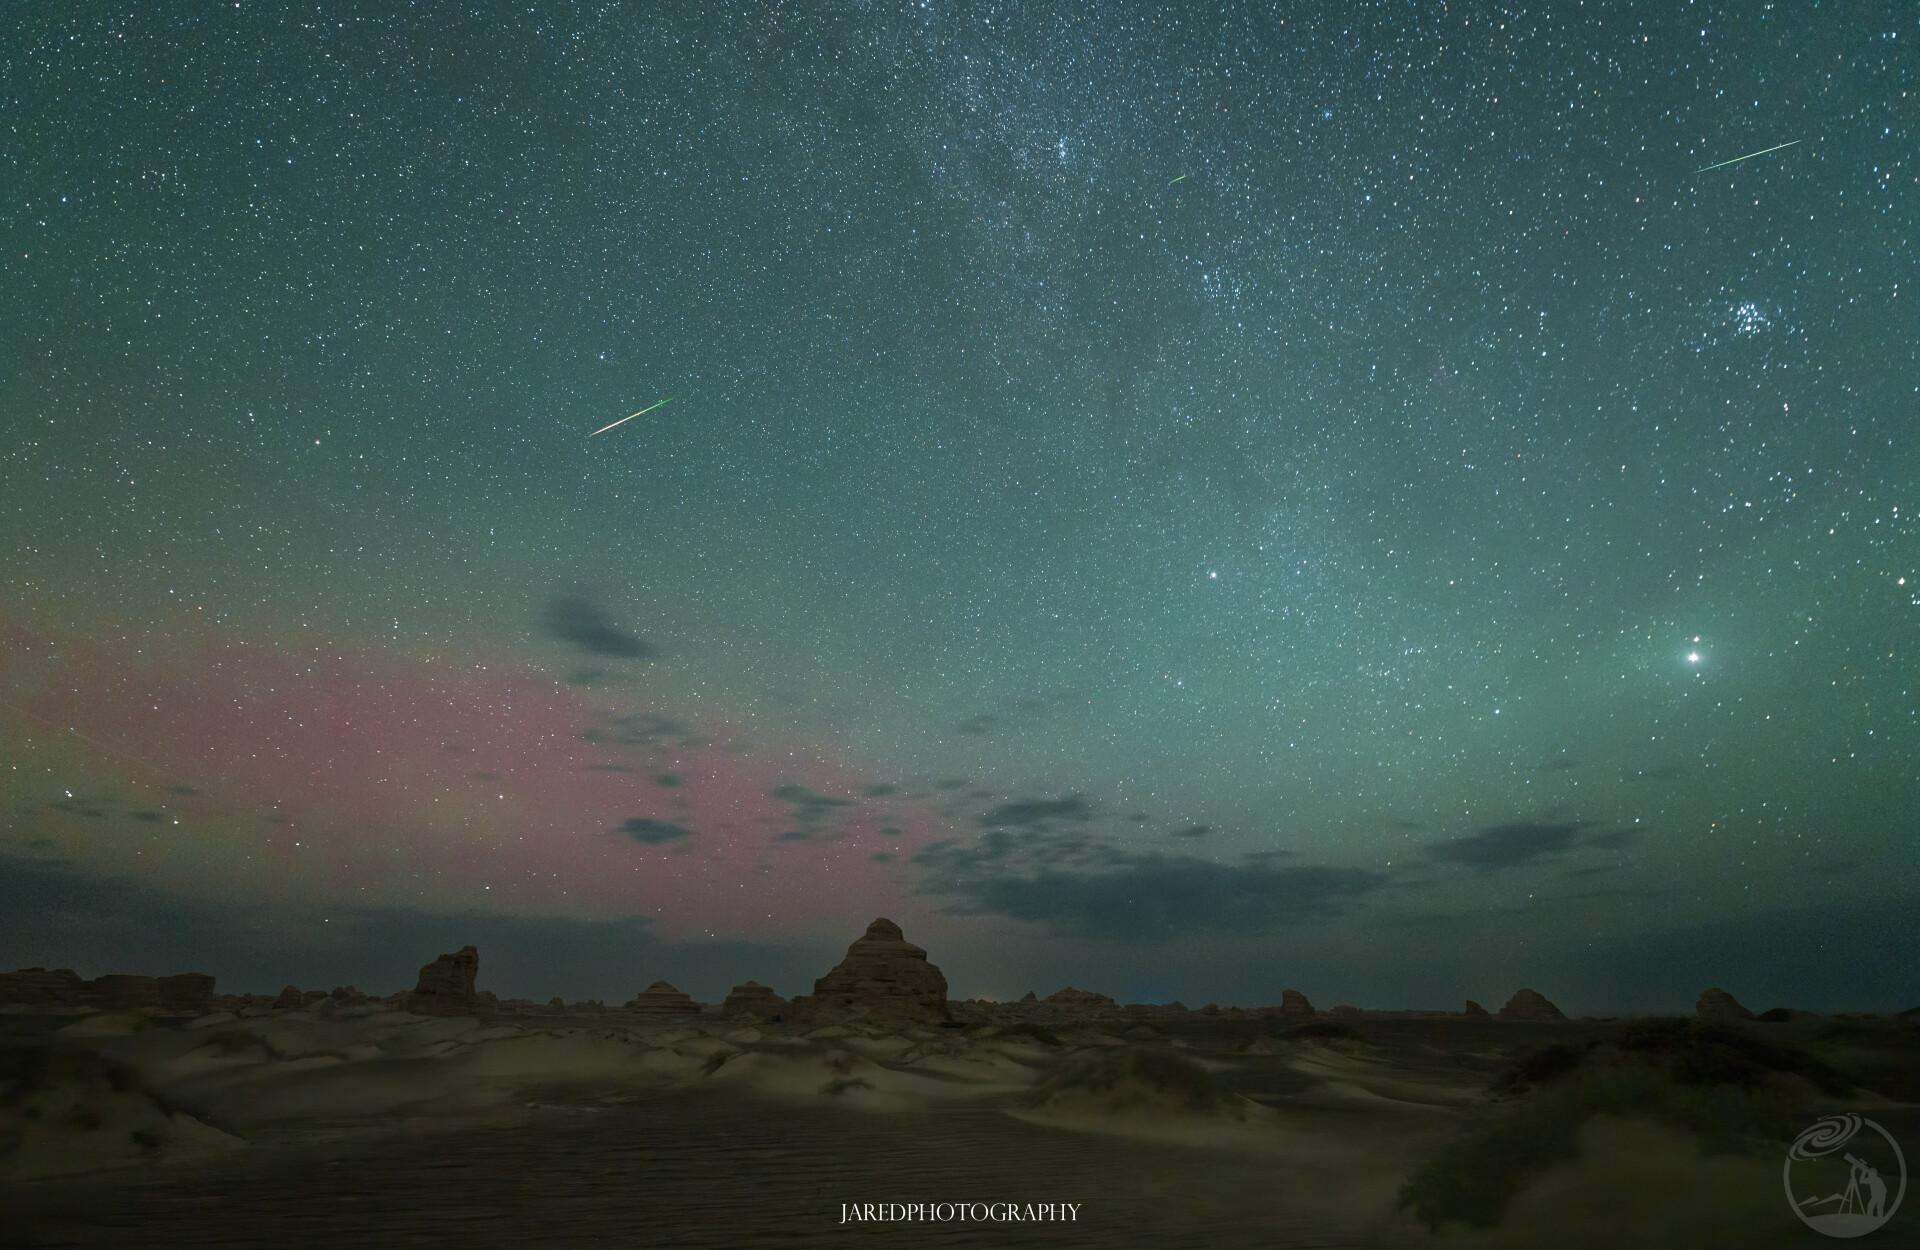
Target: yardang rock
[(1717, 1004), (757, 1000), (445, 987), (661, 1000), (1528, 1005), (884, 978)]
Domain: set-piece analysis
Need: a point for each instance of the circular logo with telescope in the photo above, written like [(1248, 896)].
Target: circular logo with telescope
[(1845, 1176)]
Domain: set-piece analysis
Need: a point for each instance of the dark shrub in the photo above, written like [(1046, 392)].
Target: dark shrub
[(1699, 1052), (1538, 1067)]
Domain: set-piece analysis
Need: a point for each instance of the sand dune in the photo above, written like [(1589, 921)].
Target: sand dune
[(1250, 1132)]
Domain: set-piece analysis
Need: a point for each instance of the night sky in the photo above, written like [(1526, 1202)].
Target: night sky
[(1180, 501)]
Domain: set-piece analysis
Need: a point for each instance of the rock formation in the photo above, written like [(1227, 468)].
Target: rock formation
[(38, 986), (1344, 1013), (1527, 1005), (291, 997), (1071, 1006), (188, 991), (445, 987), (1294, 1006), (884, 978), (117, 992), (661, 1001), (1717, 1004), (1476, 1011), (756, 1000)]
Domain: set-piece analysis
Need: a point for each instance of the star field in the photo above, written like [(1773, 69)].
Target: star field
[(1329, 495)]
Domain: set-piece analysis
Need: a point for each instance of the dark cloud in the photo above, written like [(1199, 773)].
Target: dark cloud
[(883, 857), (585, 676), (801, 797), (580, 622), (1506, 846), (669, 780), (880, 791), (151, 817), (978, 724), (653, 832), (1030, 813), (1155, 897), (812, 813), (641, 731), (1016, 851), (1193, 831)]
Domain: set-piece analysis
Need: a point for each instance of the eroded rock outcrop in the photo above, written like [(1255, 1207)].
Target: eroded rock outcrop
[(187, 991), (1476, 1011), (756, 1000), (883, 978), (1717, 1004), (1528, 1005), (661, 1001), (445, 987), (37, 986), (120, 992), (1294, 1006), (1070, 1006)]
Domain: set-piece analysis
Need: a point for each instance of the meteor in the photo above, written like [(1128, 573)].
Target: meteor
[(1176, 180), (630, 416), (1749, 156)]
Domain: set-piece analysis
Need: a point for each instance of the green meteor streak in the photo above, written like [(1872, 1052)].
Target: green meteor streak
[(630, 416), (1749, 156), (1176, 179)]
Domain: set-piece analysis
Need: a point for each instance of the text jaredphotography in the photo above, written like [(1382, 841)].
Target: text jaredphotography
[(946, 1212)]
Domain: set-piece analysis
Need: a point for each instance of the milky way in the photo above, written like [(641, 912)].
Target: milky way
[(1183, 501)]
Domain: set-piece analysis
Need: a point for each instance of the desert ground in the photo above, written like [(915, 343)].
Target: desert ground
[(363, 1124)]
